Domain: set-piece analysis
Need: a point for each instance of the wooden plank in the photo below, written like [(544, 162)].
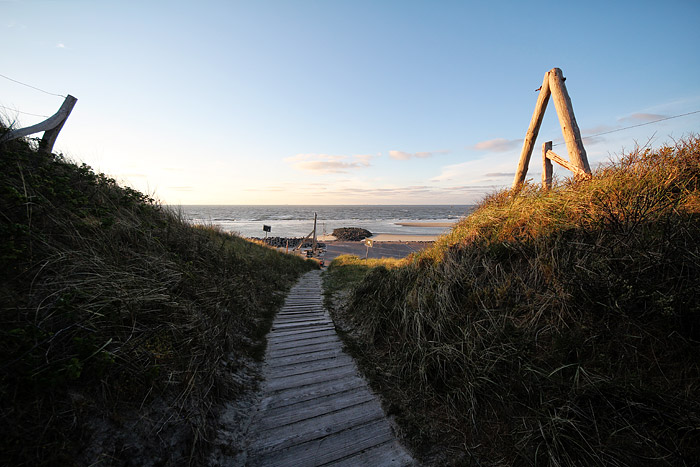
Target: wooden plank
[(551, 155), (319, 427), (532, 132), (314, 408), (304, 311), (310, 349), (303, 377), (302, 321), (307, 324), (288, 333), (390, 453), (329, 331), (299, 395), (298, 316), (303, 357), (307, 379), (330, 448), (302, 304), (567, 121), (286, 349), (311, 340), (305, 367)]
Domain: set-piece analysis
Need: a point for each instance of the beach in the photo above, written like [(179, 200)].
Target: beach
[(397, 231), (419, 223)]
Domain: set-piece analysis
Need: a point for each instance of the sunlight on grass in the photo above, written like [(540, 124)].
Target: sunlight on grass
[(556, 326)]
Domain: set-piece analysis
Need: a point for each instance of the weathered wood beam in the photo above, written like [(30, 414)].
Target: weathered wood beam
[(547, 168), (565, 111), (51, 126), (552, 156), (532, 131)]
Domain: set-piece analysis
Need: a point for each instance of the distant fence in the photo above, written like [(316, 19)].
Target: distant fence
[(51, 126), (553, 85)]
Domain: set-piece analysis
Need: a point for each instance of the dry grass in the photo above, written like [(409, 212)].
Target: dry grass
[(121, 324), (553, 327)]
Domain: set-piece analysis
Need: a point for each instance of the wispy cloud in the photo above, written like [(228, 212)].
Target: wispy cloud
[(325, 163), (266, 189), (404, 156), (14, 24), (60, 45), (498, 145), (479, 171), (642, 117), (598, 129)]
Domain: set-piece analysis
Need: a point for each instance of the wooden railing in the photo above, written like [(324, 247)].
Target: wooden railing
[(51, 126), (553, 85)]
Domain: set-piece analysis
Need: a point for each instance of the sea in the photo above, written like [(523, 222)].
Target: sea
[(298, 221)]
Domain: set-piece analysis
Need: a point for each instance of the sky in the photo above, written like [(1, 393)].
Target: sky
[(343, 101)]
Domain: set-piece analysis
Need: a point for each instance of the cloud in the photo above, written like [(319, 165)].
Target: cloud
[(14, 24), (479, 171), (642, 117), (404, 192), (266, 189), (404, 156), (60, 45), (325, 163), (498, 145), (181, 188), (598, 129)]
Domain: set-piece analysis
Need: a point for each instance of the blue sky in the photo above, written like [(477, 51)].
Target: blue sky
[(343, 102)]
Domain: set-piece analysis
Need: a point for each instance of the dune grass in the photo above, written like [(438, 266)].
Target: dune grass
[(555, 327), (122, 326)]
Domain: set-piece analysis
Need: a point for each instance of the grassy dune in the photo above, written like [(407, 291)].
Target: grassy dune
[(553, 327), (122, 328)]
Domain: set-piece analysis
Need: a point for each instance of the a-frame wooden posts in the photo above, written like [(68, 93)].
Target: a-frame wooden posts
[(553, 85)]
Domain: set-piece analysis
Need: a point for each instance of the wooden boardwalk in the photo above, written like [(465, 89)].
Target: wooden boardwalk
[(316, 409)]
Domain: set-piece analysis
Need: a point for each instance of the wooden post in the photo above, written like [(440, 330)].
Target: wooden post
[(532, 131), (49, 138), (565, 111), (313, 244), (51, 126), (547, 168)]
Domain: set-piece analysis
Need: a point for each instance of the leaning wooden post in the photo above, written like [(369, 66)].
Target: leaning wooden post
[(565, 111), (547, 168), (51, 126), (49, 138), (532, 131)]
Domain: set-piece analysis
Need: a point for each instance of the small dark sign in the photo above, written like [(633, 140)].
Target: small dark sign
[(267, 228)]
